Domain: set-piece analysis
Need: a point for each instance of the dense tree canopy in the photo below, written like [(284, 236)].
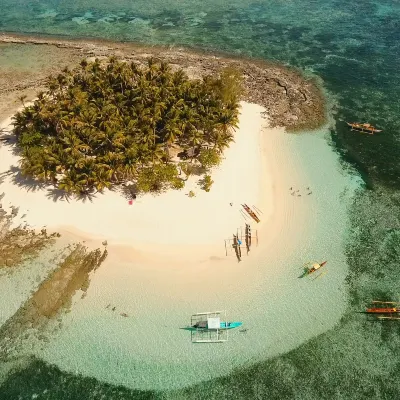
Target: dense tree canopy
[(105, 123)]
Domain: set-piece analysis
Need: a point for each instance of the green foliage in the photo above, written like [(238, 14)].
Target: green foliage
[(158, 178), (188, 168), (191, 194), (103, 124), (231, 85), (209, 158), (206, 183)]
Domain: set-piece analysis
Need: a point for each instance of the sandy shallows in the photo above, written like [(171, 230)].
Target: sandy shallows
[(167, 260)]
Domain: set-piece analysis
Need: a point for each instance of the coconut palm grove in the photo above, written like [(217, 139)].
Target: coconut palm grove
[(110, 122)]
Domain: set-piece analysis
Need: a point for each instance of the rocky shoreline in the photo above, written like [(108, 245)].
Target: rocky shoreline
[(290, 99)]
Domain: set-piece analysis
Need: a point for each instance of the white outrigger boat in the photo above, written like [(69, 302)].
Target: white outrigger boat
[(311, 267)]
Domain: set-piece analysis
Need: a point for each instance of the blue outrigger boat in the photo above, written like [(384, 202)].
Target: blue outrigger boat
[(208, 327), (222, 325)]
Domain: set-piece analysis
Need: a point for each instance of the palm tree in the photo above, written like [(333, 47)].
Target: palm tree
[(227, 120), (22, 99), (102, 123)]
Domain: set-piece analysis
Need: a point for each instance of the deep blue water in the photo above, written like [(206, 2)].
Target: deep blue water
[(354, 46)]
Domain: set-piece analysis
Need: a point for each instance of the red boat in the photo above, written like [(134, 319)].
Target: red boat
[(383, 308), (251, 213)]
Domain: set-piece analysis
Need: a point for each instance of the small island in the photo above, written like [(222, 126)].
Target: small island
[(106, 123), (130, 120)]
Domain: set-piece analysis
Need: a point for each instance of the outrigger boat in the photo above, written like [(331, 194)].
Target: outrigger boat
[(208, 327), (310, 268), (367, 128), (251, 213), (384, 310)]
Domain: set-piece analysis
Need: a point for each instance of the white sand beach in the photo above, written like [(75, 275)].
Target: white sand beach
[(172, 220), (167, 260)]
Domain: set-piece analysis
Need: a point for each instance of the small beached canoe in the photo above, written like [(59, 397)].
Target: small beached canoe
[(251, 213), (223, 326)]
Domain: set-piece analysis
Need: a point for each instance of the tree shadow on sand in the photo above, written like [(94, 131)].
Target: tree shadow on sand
[(17, 178), (56, 194), (25, 182), (33, 185), (9, 139), (128, 191)]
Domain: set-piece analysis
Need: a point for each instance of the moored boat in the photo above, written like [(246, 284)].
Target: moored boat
[(208, 327), (382, 307), (311, 268), (203, 325), (383, 310), (363, 127)]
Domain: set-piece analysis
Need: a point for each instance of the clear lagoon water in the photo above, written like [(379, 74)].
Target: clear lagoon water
[(354, 47)]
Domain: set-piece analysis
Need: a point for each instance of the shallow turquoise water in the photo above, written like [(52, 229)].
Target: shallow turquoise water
[(149, 351), (355, 47)]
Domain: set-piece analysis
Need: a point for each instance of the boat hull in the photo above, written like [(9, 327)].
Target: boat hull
[(251, 213), (383, 311), (223, 326), (363, 128), (309, 271)]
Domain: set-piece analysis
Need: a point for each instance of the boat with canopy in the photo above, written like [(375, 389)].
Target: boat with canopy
[(208, 327), (311, 267)]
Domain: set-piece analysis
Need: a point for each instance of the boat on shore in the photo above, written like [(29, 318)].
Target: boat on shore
[(310, 268), (251, 213), (363, 127)]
